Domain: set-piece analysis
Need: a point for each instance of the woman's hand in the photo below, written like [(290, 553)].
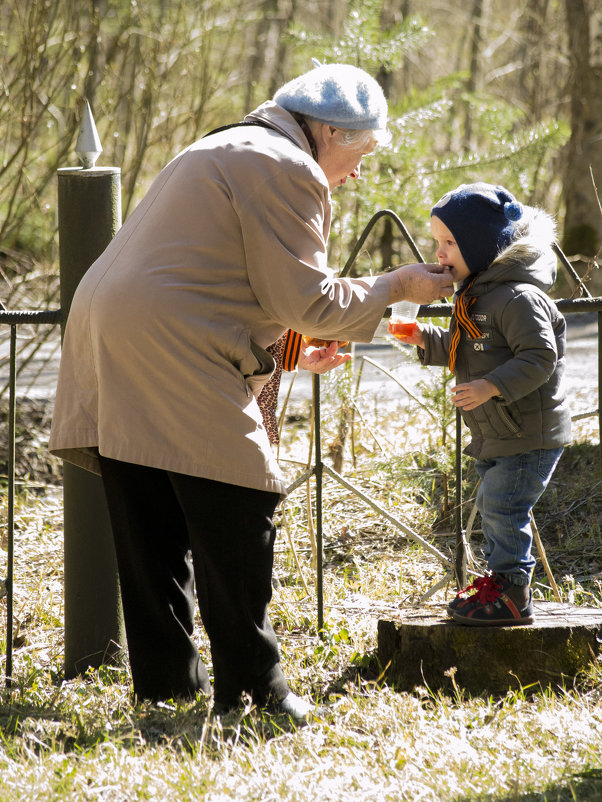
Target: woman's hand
[(321, 360), (420, 283)]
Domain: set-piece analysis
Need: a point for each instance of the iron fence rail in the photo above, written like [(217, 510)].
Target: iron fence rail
[(51, 316), (13, 319), (318, 469)]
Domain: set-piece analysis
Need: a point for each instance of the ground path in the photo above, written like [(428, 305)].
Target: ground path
[(38, 378)]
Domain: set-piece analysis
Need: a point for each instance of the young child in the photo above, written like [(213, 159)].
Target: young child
[(506, 346)]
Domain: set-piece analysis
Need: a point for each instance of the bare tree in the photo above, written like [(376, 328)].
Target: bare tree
[(267, 46), (533, 46), (473, 80), (583, 221)]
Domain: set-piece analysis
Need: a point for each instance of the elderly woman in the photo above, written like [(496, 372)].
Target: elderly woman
[(165, 354)]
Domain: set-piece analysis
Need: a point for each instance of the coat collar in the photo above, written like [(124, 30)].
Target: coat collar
[(282, 121)]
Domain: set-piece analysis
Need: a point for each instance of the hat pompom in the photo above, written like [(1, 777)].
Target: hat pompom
[(513, 211)]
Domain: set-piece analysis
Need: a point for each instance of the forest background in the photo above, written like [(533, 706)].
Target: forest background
[(502, 91)]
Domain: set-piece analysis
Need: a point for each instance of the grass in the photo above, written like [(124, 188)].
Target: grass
[(87, 739)]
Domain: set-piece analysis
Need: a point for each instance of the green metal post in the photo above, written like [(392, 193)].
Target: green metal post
[(10, 552), (460, 562), (600, 384), (319, 474), (89, 217)]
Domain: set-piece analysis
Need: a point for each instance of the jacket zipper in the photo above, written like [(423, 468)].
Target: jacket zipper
[(507, 419)]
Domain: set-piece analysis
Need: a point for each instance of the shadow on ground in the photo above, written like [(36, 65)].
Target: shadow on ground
[(586, 786)]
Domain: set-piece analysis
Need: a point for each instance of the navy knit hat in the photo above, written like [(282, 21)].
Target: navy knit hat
[(336, 94), (481, 217)]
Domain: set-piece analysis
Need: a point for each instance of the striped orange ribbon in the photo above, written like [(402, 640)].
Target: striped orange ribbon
[(292, 348), (460, 320)]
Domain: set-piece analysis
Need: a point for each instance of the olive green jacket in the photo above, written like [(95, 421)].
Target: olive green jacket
[(521, 351)]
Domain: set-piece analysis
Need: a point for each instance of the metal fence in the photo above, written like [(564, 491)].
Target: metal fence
[(13, 319), (319, 469)]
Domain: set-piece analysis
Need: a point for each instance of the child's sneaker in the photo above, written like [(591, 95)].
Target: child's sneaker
[(470, 593), (499, 604)]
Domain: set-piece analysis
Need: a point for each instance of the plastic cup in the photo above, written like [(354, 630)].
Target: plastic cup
[(402, 322)]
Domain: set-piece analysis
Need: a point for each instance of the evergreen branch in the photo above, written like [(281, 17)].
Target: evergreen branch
[(545, 134)]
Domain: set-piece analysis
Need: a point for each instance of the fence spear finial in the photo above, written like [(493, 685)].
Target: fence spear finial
[(88, 146)]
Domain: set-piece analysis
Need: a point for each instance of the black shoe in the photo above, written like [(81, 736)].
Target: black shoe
[(297, 709), (499, 604), (220, 709)]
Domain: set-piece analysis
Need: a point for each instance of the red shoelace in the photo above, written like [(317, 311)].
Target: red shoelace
[(486, 589)]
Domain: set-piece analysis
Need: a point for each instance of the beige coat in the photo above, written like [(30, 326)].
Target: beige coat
[(163, 354)]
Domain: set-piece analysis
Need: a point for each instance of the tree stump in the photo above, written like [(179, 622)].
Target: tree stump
[(423, 644)]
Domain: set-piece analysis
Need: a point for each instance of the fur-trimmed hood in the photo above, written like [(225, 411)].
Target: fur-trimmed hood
[(528, 259)]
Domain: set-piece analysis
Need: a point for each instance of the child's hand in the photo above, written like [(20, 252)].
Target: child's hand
[(408, 333), (472, 394)]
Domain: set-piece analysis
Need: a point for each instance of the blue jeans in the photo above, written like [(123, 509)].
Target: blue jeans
[(510, 486)]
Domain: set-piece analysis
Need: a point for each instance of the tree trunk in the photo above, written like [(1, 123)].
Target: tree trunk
[(282, 49), (386, 244), (472, 83), (532, 57), (583, 219), (267, 63), (422, 646)]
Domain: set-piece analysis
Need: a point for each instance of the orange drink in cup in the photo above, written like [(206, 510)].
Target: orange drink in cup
[(402, 328), (402, 322)]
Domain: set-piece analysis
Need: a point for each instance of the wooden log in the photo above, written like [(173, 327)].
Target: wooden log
[(422, 645)]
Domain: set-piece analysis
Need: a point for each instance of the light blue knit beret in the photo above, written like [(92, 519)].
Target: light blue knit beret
[(336, 94)]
